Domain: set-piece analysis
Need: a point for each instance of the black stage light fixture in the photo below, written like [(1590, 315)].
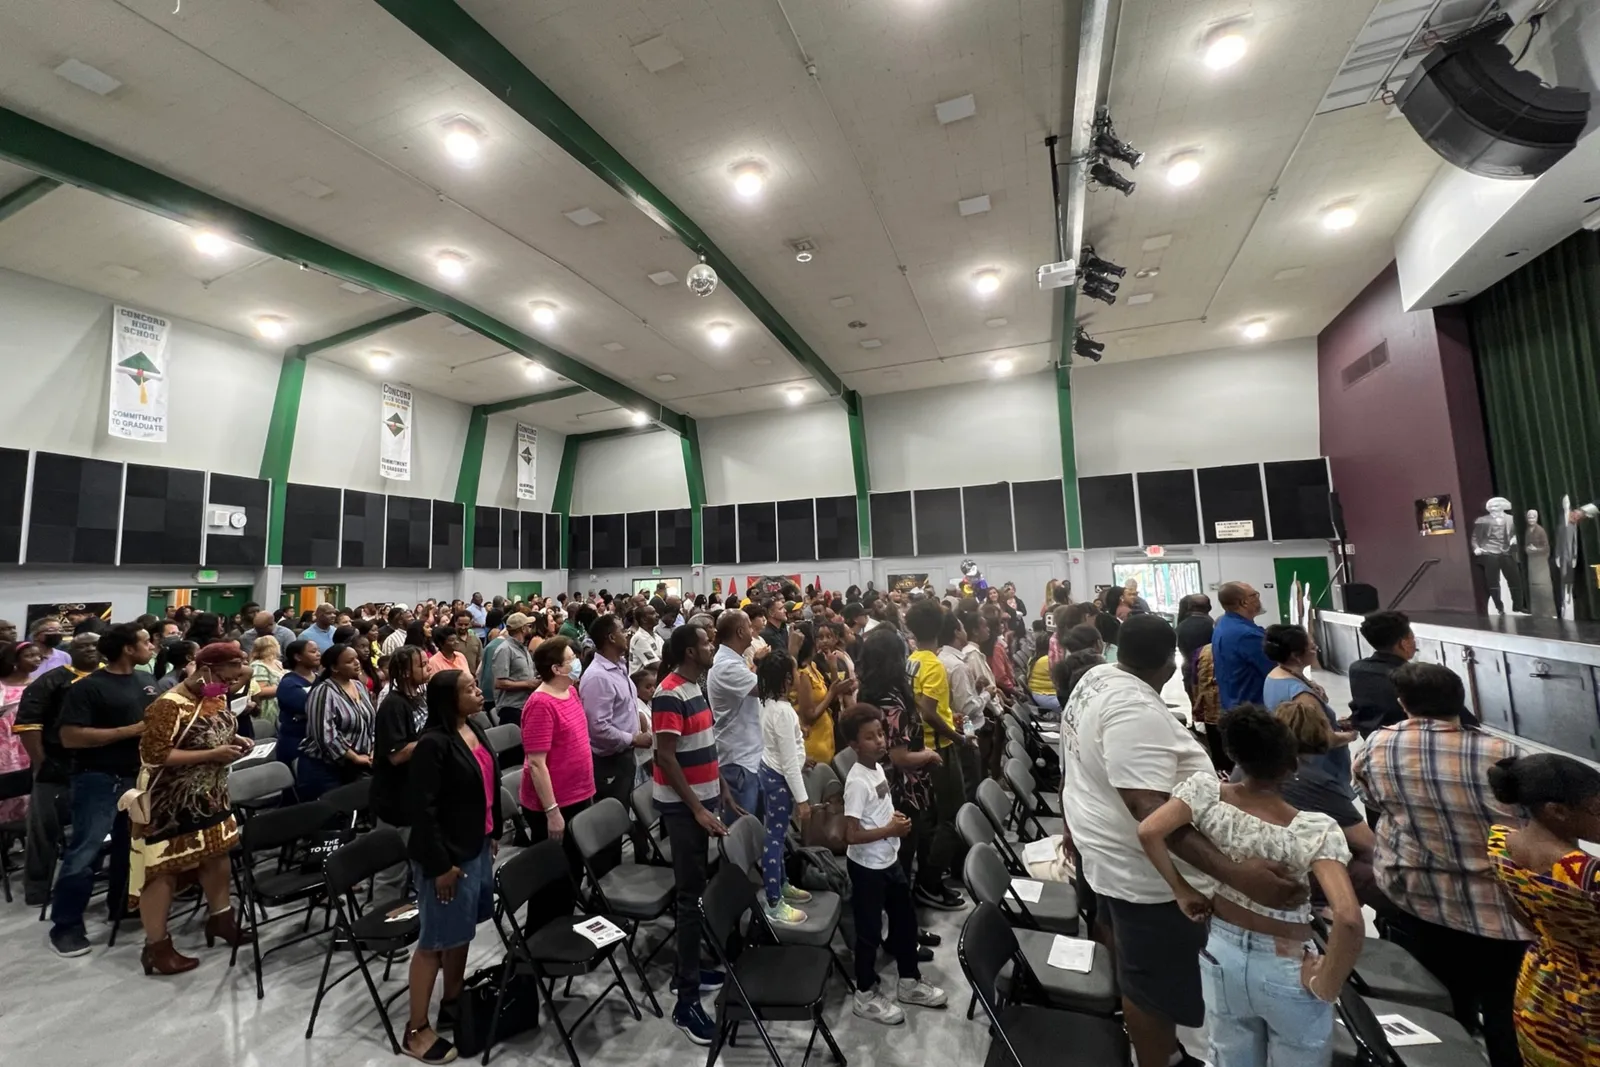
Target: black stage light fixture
[(1090, 263), (1095, 289), (1102, 174), (1106, 144), (1086, 346)]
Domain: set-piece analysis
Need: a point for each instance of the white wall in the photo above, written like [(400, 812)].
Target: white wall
[(1005, 430), (777, 455), (642, 472), (337, 439), (54, 344), (497, 486), (1204, 409), (127, 588)]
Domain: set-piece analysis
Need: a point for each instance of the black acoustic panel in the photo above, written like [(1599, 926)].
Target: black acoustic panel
[(250, 548), (674, 538), (1109, 517), (720, 533), (13, 491), (163, 510), (364, 533), (408, 533), (797, 530), (485, 538), (986, 511), (608, 542), (641, 538), (1297, 499), (838, 528), (758, 533), (1167, 508), (1232, 497), (578, 542), (892, 534), (1040, 514), (311, 517), (510, 539), (938, 514), (449, 534), (75, 506), (552, 541), (532, 540)]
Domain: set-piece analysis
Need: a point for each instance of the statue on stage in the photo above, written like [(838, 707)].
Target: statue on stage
[(1494, 539), (1567, 549), (1541, 591)]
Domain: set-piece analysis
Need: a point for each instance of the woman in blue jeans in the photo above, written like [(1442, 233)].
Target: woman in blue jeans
[(1269, 994)]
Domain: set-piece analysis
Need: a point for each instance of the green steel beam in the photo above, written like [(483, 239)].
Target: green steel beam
[(21, 197), (467, 479), (694, 473), (67, 159), (561, 502), (537, 398), (858, 461), (280, 447), (454, 34), (367, 329), (1069, 454)]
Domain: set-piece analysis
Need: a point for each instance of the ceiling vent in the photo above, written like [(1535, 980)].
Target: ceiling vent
[(1365, 365)]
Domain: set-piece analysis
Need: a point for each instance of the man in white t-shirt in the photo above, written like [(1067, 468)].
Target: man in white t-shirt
[(1122, 753)]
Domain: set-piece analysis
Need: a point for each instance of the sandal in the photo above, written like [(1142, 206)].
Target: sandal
[(441, 1051)]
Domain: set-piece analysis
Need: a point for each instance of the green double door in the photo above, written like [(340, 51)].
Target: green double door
[(220, 599), (1312, 572)]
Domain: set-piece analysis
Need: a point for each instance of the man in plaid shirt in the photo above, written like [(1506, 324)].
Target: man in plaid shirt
[(1427, 778)]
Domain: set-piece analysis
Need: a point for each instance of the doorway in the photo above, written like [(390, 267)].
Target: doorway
[(304, 598), (523, 590), (1312, 574), (222, 600)]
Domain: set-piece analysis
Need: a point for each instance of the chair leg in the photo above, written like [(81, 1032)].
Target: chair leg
[(499, 1002), (972, 1006), (622, 984), (644, 983), (827, 1035), (766, 1039), (812, 1040), (322, 987), (555, 1016), (255, 950), (844, 972), (716, 1045), (383, 1012)]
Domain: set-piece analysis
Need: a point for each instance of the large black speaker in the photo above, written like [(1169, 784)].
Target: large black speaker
[(1472, 105), (1359, 599)]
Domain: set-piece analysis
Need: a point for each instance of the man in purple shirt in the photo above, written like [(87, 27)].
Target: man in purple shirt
[(46, 633), (615, 726)]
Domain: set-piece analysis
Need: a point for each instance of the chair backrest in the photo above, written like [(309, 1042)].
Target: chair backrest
[(644, 804), (1015, 732), (504, 738), (843, 760), (14, 784), (729, 895), (597, 827), (986, 946), (264, 729), (511, 778), (351, 864), (742, 846), (482, 720), (540, 871), (282, 826), (994, 803), (259, 782), (973, 826), (1020, 775), (1362, 1023), (822, 784), (508, 807), (985, 875), (352, 798)]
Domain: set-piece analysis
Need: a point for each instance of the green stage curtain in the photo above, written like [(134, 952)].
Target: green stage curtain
[(1536, 340)]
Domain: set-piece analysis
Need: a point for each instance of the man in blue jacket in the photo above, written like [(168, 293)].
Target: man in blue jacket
[(1237, 659)]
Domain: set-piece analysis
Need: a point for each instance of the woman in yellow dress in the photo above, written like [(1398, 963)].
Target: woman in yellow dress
[(1555, 887), (817, 691)]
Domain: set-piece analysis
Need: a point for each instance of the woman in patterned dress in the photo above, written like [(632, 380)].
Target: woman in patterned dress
[(17, 664), (1554, 885), (190, 739)]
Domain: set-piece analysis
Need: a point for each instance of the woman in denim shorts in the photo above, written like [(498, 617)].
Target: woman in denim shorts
[(456, 788)]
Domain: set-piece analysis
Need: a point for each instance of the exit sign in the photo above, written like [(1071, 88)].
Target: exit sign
[(311, 576), (655, 572), (205, 577)]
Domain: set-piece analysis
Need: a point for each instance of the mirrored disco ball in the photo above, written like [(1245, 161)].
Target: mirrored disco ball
[(702, 280)]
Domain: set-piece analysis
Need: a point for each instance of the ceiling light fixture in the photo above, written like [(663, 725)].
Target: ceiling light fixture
[(748, 179), (1226, 49), (1338, 218), (639, 418), (719, 333), (986, 281), (795, 393), (1183, 169), (1001, 366), (1255, 329), (666, 378), (379, 360), (544, 312), (208, 243), (272, 327), (533, 371), (701, 279), (450, 264), (463, 139)]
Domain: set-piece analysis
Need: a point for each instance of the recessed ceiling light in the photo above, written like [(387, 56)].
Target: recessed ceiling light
[(272, 327), (841, 301), (995, 324), (1339, 218), (962, 107), (1141, 298), (533, 371), (208, 243), (463, 139), (663, 277), (1183, 169), (1001, 366), (795, 393), (1148, 272), (762, 361), (973, 205), (121, 273), (639, 418), (657, 54), (666, 378), (1288, 274), (613, 346), (719, 333), (309, 186), (748, 179), (450, 265), (986, 281), (380, 360), (1226, 49), (544, 312), (352, 287), (84, 76), (583, 216), (871, 342), (1156, 243), (1255, 329)]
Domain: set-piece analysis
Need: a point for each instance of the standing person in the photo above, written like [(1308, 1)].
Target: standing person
[(671, 614), (558, 771), (783, 784), (776, 632), (615, 729), (878, 885), (262, 624), (266, 671), (447, 656), (302, 661), (511, 667), (1240, 666), (468, 641), (687, 783), (320, 632), (452, 847), (816, 694), (339, 719), (1428, 779), (966, 699), (190, 740), (100, 726), (394, 635), (398, 724), (644, 647), (46, 633), (1555, 884), (1373, 704), (1293, 650), (1194, 633), (17, 664), (478, 616), (930, 683), (736, 713)]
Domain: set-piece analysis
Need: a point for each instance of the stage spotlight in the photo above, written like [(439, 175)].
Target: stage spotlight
[(1107, 144), (1102, 174), (1089, 263), (1095, 289), (1087, 347)]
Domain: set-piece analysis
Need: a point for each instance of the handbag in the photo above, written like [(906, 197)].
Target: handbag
[(475, 1008), (825, 827), (136, 801)]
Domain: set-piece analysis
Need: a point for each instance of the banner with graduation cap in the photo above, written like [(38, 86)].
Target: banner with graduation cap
[(138, 409), (394, 454), (527, 461)]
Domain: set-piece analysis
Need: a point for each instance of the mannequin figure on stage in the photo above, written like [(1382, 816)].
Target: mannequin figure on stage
[(1494, 538), (1567, 549), (1541, 591)]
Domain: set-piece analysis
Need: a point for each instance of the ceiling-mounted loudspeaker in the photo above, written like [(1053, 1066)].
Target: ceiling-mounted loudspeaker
[(1471, 104)]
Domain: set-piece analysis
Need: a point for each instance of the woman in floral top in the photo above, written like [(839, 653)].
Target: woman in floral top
[(881, 669)]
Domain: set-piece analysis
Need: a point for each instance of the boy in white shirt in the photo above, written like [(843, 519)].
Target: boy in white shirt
[(878, 883)]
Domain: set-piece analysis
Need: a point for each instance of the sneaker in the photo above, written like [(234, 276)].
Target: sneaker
[(929, 939), (916, 991), (875, 1006), (793, 894), (784, 915), (924, 954), (692, 1019), (940, 900), (710, 981), (72, 942)]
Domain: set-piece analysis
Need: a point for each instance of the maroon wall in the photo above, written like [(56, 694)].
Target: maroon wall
[(1411, 429)]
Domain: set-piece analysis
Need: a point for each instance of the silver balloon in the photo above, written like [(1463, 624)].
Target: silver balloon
[(702, 280)]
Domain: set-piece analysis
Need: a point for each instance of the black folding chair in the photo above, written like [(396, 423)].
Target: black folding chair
[(505, 741), (13, 784), (372, 930), (1362, 1041), (634, 893), (294, 880), (1030, 807), (976, 829), (545, 942), (996, 806), (765, 983), (351, 800), (988, 881)]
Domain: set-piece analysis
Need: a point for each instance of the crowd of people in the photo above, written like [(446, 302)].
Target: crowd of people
[(1203, 861)]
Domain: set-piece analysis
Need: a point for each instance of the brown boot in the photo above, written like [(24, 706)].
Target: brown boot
[(159, 957), (222, 927)]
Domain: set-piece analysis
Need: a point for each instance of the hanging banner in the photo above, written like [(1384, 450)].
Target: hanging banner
[(138, 375), (394, 457), (527, 460)]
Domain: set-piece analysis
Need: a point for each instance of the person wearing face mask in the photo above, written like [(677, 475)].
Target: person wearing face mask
[(557, 773), (190, 739), (46, 632)]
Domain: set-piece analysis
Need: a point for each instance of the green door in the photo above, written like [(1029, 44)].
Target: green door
[(222, 599), (523, 590), (1312, 572)]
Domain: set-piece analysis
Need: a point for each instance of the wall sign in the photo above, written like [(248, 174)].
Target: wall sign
[(138, 375), (1435, 515), (394, 455), (1238, 529), (527, 446)]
